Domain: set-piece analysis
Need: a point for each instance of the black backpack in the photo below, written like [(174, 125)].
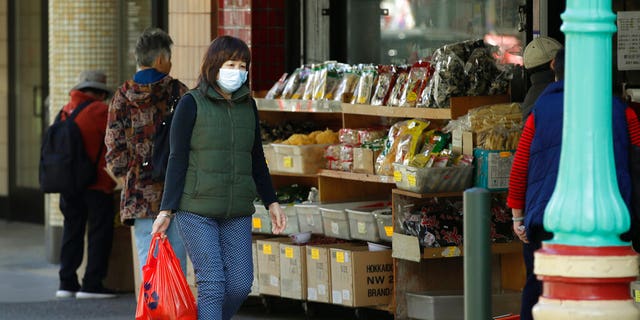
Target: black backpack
[(161, 149), (65, 166)]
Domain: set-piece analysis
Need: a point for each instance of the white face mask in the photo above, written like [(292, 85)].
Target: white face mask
[(230, 80)]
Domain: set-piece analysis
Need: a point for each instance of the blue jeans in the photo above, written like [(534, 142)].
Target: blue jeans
[(220, 250), (142, 230)]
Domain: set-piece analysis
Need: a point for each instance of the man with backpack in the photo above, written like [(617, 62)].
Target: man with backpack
[(90, 200)]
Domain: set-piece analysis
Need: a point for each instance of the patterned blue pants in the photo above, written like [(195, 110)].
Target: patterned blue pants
[(221, 254)]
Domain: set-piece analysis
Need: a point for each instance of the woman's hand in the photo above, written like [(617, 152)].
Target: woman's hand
[(162, 222), (278, 218)]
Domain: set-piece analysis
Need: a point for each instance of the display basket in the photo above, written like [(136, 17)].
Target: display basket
[(432, 180)]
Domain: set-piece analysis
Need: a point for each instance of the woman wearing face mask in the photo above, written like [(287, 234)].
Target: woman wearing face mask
[(216, 168)]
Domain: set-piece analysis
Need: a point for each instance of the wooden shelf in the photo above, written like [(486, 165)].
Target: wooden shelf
[(289, 174), (426, 195), (291, 105), (356, 176), (453, 251), (397, 112)]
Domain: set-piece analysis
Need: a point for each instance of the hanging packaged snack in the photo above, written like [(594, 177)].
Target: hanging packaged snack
[(386, 79), (402, 75), (416, 82), (302, 78), (362, 94), (346, 86), (276, 90)]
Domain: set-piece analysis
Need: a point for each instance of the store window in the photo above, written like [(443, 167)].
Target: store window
[(414, 29)]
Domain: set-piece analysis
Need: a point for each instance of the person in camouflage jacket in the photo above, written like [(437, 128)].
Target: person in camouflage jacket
[(135, 110)]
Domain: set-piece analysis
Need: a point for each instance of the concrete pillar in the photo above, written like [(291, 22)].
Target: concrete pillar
[(82, 35), (586, 269)]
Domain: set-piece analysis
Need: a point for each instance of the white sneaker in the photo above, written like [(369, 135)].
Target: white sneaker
[(65, 294), (98, 294)]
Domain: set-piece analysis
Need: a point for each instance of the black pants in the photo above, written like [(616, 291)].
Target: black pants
[(96, 208), (533, 287)]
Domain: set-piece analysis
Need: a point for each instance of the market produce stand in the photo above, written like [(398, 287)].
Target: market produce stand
[(437, 268)]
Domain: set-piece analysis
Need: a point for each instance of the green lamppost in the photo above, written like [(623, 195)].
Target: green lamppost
[(586, 269)]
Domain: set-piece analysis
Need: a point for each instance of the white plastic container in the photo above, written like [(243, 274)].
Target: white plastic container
[(309, 217), (260, 221), (432, 180), (335, 219), (384, 220), (363, 225)]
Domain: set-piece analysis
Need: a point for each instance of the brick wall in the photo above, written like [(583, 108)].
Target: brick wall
[(261, 24)]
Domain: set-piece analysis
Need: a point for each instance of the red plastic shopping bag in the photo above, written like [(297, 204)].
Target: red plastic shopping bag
[(164, 292)]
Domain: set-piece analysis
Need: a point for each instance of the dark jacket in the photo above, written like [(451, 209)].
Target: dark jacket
[(544, 158), (539, 82), (133, 115)]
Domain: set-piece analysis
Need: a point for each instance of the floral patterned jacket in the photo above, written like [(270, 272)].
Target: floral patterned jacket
[(131, 125)]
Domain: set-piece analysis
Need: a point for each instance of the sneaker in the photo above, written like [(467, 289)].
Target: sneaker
[(65, 294), (99, 293)]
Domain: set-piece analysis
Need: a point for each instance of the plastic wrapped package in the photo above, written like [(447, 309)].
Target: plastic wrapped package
[(276, 90), (299, 85), (501, 82), (403, 139), (348, 135), (310, 85), (335, 72), (402, 76), (369, 135), (416, 82), (386, 79), (481, 70), (346, 86), (364, 88)]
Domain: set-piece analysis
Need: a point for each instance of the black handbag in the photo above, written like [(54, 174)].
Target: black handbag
[(161, 148)]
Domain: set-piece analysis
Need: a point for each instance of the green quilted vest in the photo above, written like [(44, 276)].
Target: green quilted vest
[(218, 182)]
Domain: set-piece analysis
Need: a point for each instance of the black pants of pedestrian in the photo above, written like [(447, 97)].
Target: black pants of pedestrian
[(96, 209), (532, 287)]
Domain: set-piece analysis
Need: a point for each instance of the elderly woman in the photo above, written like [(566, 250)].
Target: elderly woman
[(135, 111)]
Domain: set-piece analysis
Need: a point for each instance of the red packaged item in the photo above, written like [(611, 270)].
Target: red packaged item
[(386, 79), (164, 292), (402, 77), (417, 81), (346, 135)]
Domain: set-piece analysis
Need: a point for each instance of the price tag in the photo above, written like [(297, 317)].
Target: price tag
[(388, 230), (636, 294), (340, 256), (315, 254), (287, 162), (288, 252), (362, 228), (266, 249), (397, 176), (451, 251), (257, 223), (411, 178)]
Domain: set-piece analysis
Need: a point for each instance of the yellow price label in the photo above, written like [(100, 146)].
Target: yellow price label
[(412, 96), (397, 176), (451, 251), (388, 230), (287, 162), (411, 178), (340, 256), (636, 295), (257, 223), (505, 154), (266, 249), (288, 252), (315, 254)]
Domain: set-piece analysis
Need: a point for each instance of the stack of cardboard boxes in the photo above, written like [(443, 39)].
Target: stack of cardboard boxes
[(344, 274)]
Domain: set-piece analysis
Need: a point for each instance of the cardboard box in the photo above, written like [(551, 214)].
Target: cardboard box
[(293, 271), (364, 160), (268, 254), (462, 142), (255, 285), (319, 271), (493, 168), (360, 277)]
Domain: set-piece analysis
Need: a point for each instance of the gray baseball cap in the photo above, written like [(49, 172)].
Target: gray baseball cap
[(94, 79)]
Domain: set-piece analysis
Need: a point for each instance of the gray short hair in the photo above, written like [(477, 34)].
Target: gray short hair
[(152, 43)]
